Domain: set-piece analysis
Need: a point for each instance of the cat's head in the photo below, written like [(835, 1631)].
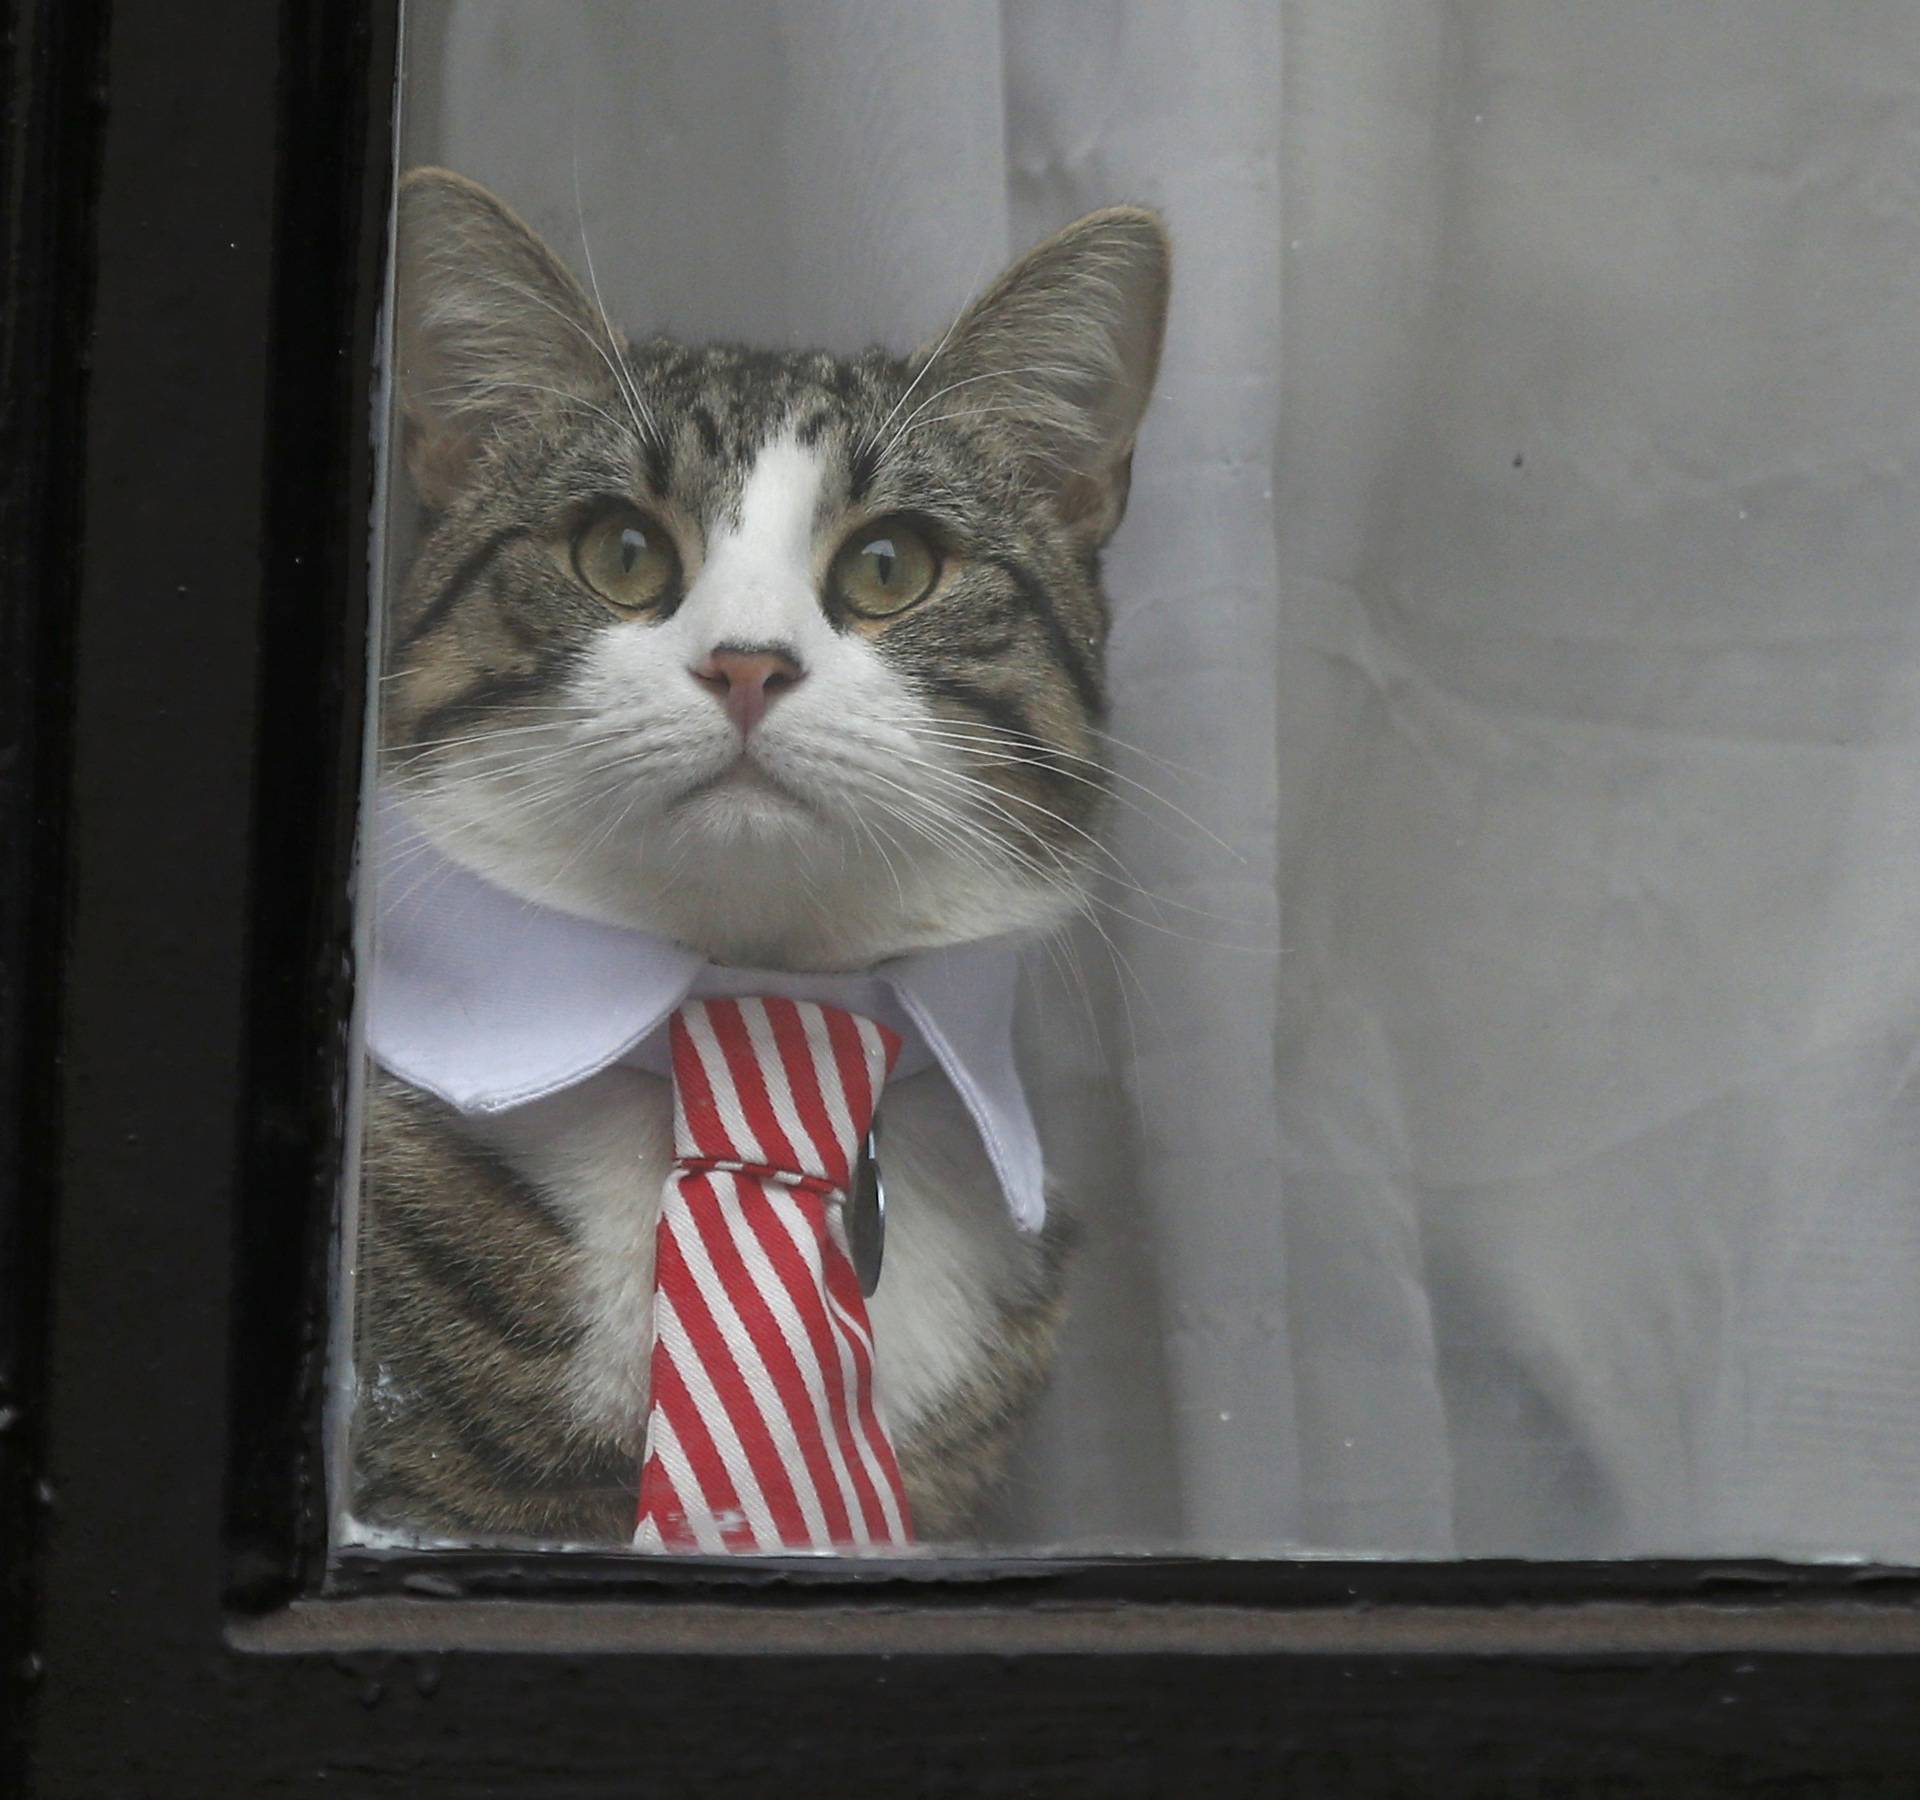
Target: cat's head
[(793, 658)]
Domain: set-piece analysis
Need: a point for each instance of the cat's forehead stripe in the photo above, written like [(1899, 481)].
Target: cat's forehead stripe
[(773, 521)]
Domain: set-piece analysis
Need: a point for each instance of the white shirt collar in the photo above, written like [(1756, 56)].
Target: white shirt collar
[(489, 1001)]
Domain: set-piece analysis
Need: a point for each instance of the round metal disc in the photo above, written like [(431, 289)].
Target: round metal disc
[(866, 1214)]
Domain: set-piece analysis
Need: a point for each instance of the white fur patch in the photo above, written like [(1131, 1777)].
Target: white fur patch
[(757, 584)]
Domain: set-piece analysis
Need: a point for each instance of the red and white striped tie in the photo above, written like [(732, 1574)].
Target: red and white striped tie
[(762, 1433)]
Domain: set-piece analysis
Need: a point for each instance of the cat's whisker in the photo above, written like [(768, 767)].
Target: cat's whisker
[(1125, 973), (999, 800), (1263, 952), (956, 733), (978, 839), (472, 737), (1120, 743), (503, 763), (429, 870), (1026, 740), (933, 819), (586, 849), (550, 794), (1121, 876), (974, 751), (926, 368), (567, 734), (943, 835), (643, 418), (1058, 945), (879, 844), (953, 387), (571, 708), (537, 387), (643, 422), (1160, 900), (868, 443), (968, 412), (928, 815), (947, 842)]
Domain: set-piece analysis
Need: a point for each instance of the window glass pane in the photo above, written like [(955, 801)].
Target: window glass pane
[(1536, 640)]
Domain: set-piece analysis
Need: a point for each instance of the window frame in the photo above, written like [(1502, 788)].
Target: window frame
[(198, 202)]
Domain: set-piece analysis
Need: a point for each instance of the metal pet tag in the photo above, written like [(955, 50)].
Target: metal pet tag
[(866, 1214)]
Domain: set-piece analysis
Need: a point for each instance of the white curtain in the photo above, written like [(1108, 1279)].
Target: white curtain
[(1493, 1089)]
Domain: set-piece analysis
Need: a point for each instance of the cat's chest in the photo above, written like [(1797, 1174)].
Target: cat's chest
[(600, 1154)]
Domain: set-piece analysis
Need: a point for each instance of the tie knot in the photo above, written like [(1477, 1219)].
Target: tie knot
[(783, 1087)]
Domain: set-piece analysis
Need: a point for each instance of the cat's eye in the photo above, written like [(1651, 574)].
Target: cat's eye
[(627, 558), (883, 568)]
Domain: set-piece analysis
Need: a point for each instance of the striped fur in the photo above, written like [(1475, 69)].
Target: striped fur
[(464, 1333), (929, 777)]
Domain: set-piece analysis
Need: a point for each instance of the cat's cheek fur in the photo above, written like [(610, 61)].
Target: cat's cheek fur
[(599, 1154)]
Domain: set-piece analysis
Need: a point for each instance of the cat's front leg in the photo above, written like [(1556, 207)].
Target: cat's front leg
[(466, 1333)]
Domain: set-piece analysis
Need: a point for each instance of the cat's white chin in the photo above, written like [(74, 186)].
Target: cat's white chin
[(769, 883), (746, 868), (743, 801)]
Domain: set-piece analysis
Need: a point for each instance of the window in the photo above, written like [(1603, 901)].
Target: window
[(182, 1102)]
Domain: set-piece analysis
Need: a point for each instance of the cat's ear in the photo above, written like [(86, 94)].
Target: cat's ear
[(1062, 350), (485, 316)]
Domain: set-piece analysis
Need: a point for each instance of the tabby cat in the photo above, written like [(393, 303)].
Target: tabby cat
[(796, 660)]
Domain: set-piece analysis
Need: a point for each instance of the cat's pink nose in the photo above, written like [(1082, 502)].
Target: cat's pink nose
[(747, 678)]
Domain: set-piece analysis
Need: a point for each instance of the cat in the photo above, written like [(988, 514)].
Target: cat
[(796, 660)]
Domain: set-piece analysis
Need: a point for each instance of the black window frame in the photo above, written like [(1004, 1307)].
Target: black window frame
[(195, 214)]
